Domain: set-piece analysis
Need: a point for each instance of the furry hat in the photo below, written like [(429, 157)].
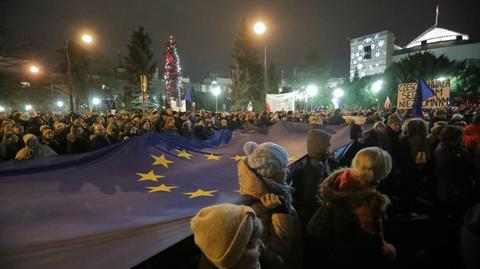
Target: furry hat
[(29, 137), (223, 231), (267, 159), (371, 164), (318, 142)]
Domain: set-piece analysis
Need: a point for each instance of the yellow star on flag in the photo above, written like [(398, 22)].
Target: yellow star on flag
[(199, 193), (183, 153), (237, 158), (212, 157), (162, 187), (292, 158), (161, 160), (149, 176)]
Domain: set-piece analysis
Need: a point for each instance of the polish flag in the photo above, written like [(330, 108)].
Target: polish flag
[(387, 103)]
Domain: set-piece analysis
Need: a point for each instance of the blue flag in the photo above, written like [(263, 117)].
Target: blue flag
[(117, 206), (188, 95), (423, 93)]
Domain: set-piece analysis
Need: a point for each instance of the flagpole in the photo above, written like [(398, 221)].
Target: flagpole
[(436, 16)]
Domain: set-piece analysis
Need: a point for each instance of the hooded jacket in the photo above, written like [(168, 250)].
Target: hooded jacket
[(282, 228), (347, 228)]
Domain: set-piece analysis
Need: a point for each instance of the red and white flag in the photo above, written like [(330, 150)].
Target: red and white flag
[(387, 103)]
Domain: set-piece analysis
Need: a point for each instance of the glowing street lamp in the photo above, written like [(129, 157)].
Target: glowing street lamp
[(216, 91), (260, 28), (338, 92), (60, 104), (28, 107), (95, 101), (377, 86), (34, 69), (2, 109), (86, 38), (441, 79)]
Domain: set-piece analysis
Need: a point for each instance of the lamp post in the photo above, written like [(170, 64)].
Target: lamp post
[(260, 28), (311, 90), (376, 88), (216, 91), (86, 39)]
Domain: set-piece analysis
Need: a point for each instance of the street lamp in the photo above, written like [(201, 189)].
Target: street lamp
[(260, 28), (28, 107), (311, 90), (34, 69), (338, 92), (87, 39), (2, 109), (95, 101), (441, 79), (60, 104), (377, 86), (216, 91)]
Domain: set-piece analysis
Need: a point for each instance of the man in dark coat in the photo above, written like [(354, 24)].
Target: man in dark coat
[(390, 141), (307, 180), (99, 140)]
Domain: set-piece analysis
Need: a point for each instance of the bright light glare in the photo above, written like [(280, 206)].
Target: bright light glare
[(87, 39), (60, 104), (377, 86), (95, 101), (312, 90), (441, 78), (337, 93), (34, 69), (28, 107), (2, 109), (215, 91), (259, 28), (335, 102)]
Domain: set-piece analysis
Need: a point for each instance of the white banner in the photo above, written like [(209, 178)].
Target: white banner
[(181, 108), (281, 102), (407, 91)]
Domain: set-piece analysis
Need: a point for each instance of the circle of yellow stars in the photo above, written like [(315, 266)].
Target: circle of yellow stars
[(162, 160)]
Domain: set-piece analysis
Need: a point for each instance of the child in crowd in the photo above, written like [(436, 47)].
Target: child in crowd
[(349, 223)]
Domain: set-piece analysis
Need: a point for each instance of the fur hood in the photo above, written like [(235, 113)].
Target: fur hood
[(330, 194)]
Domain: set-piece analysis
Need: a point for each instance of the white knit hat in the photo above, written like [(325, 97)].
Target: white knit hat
[(372, 164), (267, 159), (223, 231)]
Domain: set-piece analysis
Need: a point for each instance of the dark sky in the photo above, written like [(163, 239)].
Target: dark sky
[(205, 30)]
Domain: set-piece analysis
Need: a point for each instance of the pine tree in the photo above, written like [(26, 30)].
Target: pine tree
[(240, 87), (138, 62), (173, 71), (246, 56)]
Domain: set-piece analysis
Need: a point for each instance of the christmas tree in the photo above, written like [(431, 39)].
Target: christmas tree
[(173, 72)]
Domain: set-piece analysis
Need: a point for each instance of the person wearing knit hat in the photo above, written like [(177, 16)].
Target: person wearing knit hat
[(228, 235), (317, 168), (349, 223), (390, 141), (262, 179), (33, 149)]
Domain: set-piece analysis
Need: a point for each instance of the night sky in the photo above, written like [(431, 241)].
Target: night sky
[(205, 30)]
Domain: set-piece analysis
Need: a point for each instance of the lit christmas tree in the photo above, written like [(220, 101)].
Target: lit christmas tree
[(173, 72)]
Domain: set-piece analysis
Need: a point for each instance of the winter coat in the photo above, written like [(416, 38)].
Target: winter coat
[(40, 152), (53, 144), (305, 185), (282, 227), (471, 138), (99, 141), (454, 171), (389, 141), (347, 229), (80, 145)]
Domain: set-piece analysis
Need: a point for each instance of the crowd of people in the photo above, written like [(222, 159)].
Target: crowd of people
[(333, 211)]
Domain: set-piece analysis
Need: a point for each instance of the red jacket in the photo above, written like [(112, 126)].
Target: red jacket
[(472, 136)]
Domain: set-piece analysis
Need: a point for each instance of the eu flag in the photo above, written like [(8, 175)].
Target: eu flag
[(423, 93), (118, 206)]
